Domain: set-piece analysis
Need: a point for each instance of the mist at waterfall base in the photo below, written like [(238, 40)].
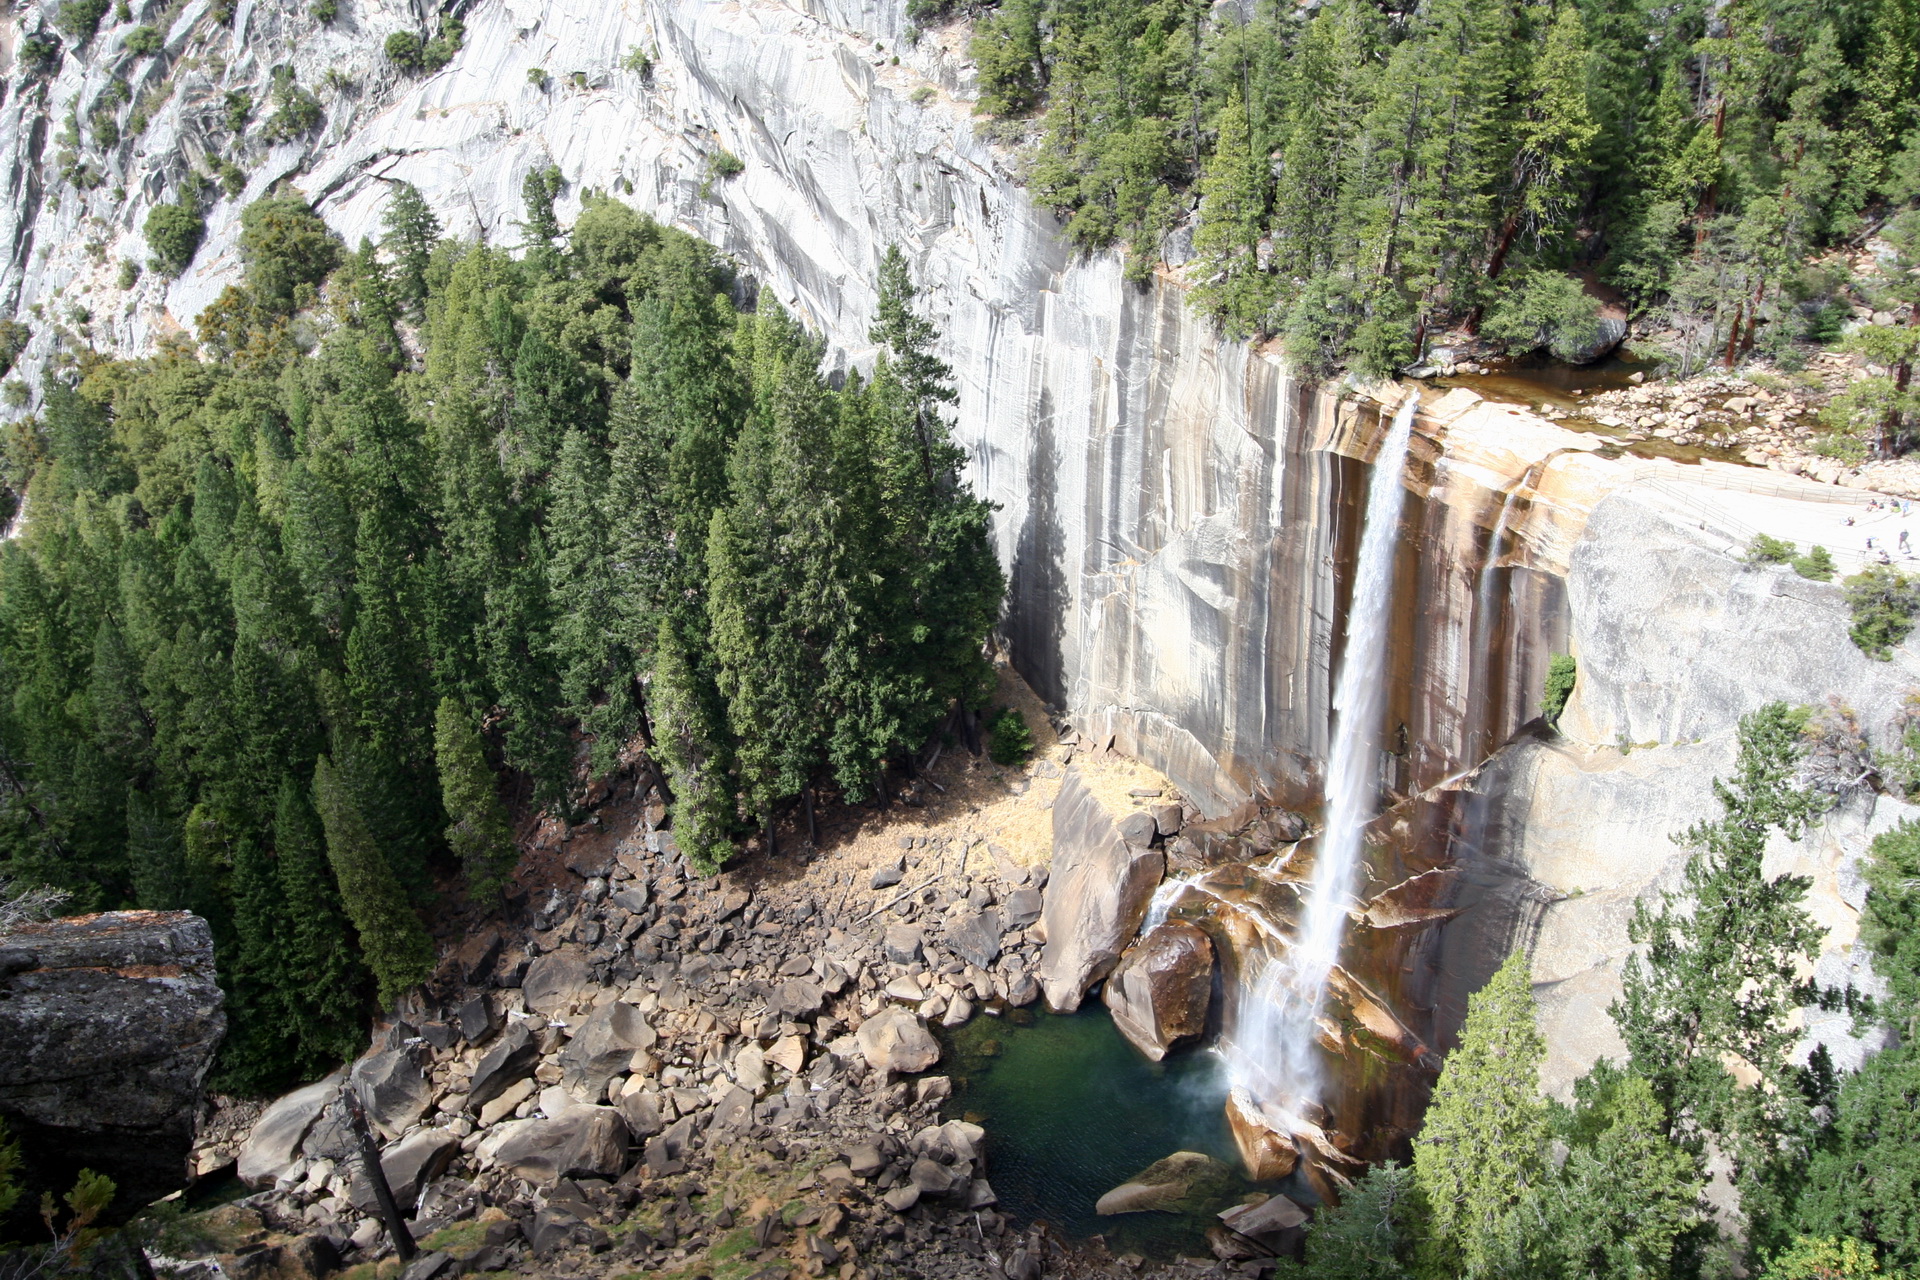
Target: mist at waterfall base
[(1272, 1049), (1072, 1111)]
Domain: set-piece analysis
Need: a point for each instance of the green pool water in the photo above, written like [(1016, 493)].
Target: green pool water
[(1072, 1110)]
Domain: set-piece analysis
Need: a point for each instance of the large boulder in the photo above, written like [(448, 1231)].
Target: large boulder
[(1161, 990), (1184, 1182), (897, 1040), (392, 1089), (274, 1144), (409, 1165), (582, 1142), (602, 1048), (555, 981), (511, 1060), (1097, 893), (1265, 1148), (977, 938), (108, 1024)]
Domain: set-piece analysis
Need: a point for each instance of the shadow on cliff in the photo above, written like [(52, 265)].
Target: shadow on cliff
[(1038, 604)]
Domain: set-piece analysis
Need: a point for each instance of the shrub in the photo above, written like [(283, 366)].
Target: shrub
[(285, 245), (1544, 309), (16, 394), (233, 179), (1884, 602), (1561, 673), (1009, 741), (239, 109), (79, 19), (1816, 564), (143, 41), (1766, 550), (638, 61), (40, 55), (129, 273), (538, 78), (174, 232), (14, 338), (922, 93), (438, 52), (325, 11), (297, 113), (403, 50), (724, 164)]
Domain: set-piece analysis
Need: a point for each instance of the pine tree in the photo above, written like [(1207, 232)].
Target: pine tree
[(691, 744), (479, 835), (411, 232), (1370, 1234), (1233, 215), (1720, 980), (597, 672), (1483, 1145), (395, 946), (320, 961)]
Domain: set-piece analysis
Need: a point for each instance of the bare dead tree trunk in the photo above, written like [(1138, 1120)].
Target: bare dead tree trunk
[(377, 1177)]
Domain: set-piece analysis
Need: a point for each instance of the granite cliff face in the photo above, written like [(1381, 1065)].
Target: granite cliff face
[(1178, 515)]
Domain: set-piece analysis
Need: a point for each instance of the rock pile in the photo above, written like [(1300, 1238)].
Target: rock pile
[(668, 1066)]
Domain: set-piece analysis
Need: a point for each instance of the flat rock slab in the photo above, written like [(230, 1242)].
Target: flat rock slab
[(274, 1144), (555, 981), (1183, 1181), (1097, 893)]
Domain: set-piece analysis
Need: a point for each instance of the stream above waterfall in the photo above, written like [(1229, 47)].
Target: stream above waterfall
[(1072, 1111)]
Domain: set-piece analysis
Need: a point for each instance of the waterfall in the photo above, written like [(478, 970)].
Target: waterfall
[(1486, 625), (1272, 1047)]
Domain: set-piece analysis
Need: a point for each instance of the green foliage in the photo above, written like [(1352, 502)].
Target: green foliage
[(325, 11), (1009, 741), (403, 50), (410, 53), (1823, 1258), (174, 232), (396, 948), (286, 248), (721, 165), (1561, 674), (12, 1171), (40, 54), (145, 41), (238, 109), (1722, 977), (296, 113), (14, 337), (1768, 550), (77, 20), (1369, 1234), (638, 61), (1541, 308), (1483, 1146), (479, 835), (1816, 564), (538, 78), (1884, 602)]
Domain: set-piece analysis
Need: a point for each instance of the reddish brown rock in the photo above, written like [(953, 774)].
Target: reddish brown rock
[(1267, 1154), (1161, 990)]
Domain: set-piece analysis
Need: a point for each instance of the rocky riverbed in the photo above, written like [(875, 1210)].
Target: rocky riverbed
[(731, 1077)]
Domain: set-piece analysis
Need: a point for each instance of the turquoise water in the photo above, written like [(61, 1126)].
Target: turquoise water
[(1072, 1111)]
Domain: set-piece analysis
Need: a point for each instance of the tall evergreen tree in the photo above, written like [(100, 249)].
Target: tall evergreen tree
[(411, 232), (392, 940), (319, 959), (1484, 1143), (479, 835)]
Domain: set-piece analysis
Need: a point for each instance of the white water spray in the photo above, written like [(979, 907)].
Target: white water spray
[(1272, 1052)]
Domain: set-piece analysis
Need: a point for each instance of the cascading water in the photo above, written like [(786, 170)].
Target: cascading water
[(1271, 1049)]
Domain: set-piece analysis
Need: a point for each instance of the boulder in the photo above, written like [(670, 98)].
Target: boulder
[(1097, 893), (583, 1142), (510, 1060), (1266, 1152), (1269, 1216), (896, 1040), (476, 1019), (797, 998), (274, 1142), (602, 1048), (554, 981), (977, 938), (641, 1110), (1023, 907), (1184, 1182), (902, 943), (1160, 992), (392, 1090), (108, 1024), (409, 1165)]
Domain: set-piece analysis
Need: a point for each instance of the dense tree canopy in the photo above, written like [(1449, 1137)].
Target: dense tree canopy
[(296, 618), (1368, 171)]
